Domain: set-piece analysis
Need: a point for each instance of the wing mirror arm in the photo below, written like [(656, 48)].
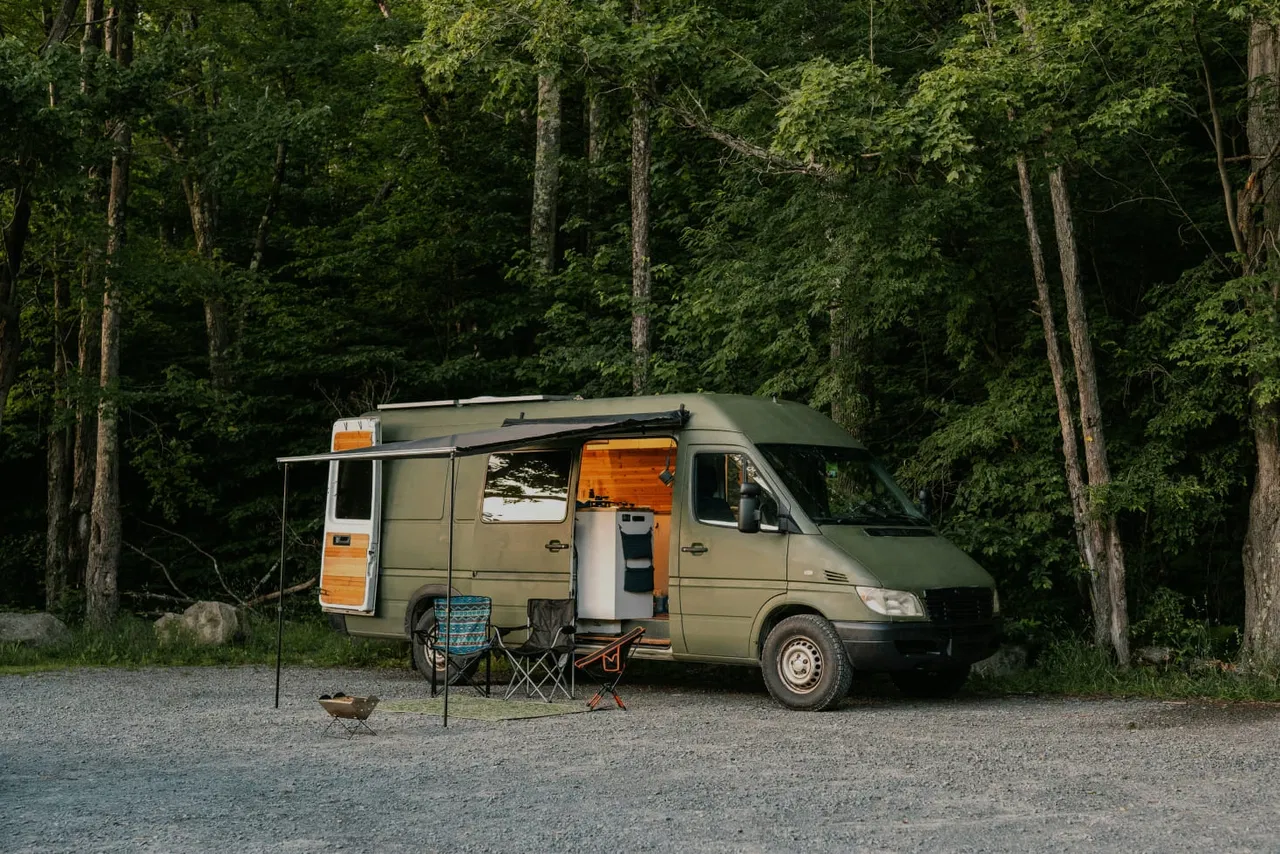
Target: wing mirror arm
[(749, 508)]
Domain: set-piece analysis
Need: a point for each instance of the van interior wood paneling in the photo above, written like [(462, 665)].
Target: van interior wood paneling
[(626, 471), (342, 574)]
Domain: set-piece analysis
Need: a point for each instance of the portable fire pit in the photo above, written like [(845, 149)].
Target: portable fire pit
[(349, 713)]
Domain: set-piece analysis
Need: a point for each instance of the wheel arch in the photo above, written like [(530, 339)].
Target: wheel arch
[(425, 592), (774, 612)]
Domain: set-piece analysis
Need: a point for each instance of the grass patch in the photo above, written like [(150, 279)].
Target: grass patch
[(1076, 669), (132, 642)]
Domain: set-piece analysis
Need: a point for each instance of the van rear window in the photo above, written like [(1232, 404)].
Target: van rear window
[(354, 498), (527, 487)]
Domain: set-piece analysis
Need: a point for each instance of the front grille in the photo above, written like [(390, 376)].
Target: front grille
[(958, 605)]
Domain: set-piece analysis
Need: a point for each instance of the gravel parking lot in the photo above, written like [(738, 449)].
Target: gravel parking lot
[(197, 760)]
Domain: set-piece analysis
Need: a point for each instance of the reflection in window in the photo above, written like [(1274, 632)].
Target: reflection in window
[(718, 480), (527, 487), (354, 494)]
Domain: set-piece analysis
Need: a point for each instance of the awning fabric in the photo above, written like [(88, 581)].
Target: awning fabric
[(513, 434)]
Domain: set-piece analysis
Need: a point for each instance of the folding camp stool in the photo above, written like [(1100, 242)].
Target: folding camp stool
[(608, 665)]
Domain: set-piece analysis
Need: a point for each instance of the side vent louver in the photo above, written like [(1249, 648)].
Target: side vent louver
[(838, 577)]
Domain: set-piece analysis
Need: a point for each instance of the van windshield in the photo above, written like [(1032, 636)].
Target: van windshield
[(841, 486)]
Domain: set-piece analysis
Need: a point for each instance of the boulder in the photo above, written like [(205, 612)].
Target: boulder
[(1157, 655), (211, 623), (169, 628), (33, 629), (1007, 661)]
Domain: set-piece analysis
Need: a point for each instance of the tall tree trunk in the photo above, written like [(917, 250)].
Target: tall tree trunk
[(13, 237), (88, 321), (203, 207), (58, 458), (546, 173), (641, 273), (1090, 538), (102, 571), (273, 199), (595, 151), (1095, 443), (1261, 553)]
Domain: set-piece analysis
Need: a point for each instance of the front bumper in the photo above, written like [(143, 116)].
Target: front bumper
[(886, 647)]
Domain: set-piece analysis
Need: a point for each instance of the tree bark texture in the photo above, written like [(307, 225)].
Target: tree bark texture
[(58, 456), (1090, 539), (1095, 444), (1261, 553), (641, 272), (546, 174), (202, 205), (102, 571), (14, 239)]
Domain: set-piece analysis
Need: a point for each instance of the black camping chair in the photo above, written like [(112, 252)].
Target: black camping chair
[(608, 665), (543, 659), (467, 639)]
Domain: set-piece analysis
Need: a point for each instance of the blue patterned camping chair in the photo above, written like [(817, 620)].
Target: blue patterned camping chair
[(462, 629)]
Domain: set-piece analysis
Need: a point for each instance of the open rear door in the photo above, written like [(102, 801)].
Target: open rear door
[(349, 568)]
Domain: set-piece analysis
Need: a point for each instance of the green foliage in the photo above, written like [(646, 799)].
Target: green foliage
[(835, 220), (131, 642)]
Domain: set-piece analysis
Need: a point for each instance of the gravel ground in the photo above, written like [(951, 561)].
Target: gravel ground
[(196, 759)]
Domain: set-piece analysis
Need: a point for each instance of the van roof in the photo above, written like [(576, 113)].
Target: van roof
[(761, 419)]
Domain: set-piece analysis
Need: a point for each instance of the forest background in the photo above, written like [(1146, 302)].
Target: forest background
[(1024, 250)]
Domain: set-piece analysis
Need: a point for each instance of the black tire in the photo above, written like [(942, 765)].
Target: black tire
[(422, 660), (931, 684), (804, 664)]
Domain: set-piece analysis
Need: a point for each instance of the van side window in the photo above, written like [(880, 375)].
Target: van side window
[(717, 482), (527, 487), (353, 497)]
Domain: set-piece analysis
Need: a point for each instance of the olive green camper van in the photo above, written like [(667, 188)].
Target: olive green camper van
[(775, 538)]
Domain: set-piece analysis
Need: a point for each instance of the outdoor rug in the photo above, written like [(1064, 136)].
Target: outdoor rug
[(482, 709)]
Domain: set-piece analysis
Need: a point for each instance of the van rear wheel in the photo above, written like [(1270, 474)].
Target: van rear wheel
[(804, 664), (423, 660), (931, 684)]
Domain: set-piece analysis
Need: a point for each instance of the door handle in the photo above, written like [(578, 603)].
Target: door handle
[(556, 546), (694, 549)]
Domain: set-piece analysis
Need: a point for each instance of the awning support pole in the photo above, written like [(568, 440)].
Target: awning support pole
[(284, 517), (448, 590)]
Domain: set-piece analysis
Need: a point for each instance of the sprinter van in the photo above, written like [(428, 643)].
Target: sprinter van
[(735, 530)]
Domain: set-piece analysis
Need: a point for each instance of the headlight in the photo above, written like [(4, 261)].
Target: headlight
[(891, 603), (995, 601)]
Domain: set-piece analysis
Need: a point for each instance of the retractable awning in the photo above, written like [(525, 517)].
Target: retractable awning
[(514, 433)]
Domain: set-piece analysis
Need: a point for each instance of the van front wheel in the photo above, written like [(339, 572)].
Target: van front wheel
[(804, 664)]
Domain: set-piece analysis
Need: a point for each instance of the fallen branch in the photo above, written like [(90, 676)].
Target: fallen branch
[(297, 588), (213, 560), (167, 577)]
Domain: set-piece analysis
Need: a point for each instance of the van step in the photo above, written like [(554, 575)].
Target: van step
[(608, 639)]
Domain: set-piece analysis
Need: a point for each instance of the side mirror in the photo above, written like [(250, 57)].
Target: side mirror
[(923, 502), (749, 508)]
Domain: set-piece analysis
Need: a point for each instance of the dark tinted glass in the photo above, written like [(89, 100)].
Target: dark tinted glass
[(841, 486), (527, 487), (355, 490)]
